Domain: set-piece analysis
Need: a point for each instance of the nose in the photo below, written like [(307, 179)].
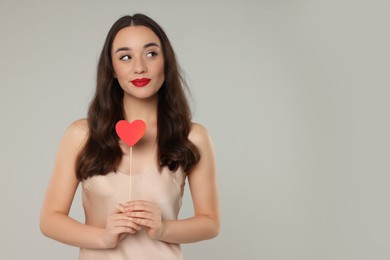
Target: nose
[(139, 66)]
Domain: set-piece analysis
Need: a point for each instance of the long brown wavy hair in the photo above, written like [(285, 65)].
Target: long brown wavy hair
[(101, 153)]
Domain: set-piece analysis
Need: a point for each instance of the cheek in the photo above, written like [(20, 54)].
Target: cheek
[(120, 73), (160, 70)]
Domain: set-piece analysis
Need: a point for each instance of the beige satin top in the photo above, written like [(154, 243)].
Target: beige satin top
[(101, 194)]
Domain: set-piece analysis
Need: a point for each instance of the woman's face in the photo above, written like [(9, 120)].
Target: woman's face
[(138, 61)]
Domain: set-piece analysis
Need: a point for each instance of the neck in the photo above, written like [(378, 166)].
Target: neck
[(144, 109)]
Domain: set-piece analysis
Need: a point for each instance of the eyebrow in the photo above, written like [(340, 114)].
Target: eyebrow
[(150, 44)]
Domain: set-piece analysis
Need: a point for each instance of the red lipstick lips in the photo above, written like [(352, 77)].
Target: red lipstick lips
[(140, 82)]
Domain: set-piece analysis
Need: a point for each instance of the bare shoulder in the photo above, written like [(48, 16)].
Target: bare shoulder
[(77, 132), (80, 124), (199, 135)]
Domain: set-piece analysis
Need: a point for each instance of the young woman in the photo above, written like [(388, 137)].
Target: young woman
[(137, 78)]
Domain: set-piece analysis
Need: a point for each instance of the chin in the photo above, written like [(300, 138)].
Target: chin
[(143, 96)]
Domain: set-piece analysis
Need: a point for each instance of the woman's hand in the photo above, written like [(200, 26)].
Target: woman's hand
[(147, 214), (118, 225)]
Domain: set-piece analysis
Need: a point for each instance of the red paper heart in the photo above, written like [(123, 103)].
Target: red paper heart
[(130, 133)]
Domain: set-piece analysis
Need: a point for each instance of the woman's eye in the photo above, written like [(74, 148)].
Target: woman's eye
[(151, 54), (125, 57)]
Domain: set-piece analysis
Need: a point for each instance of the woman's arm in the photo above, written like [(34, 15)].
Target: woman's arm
[(55, 222), (205, 223)]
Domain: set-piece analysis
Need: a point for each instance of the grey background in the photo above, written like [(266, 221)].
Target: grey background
[(294, 93)]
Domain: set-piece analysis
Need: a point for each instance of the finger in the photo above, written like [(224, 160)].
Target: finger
[(141, 214), (119, 216), (122, 236), (146, 219), (121, 230), (120, 220), (127, 223), (129, 230), (120, 207), (145, 222)]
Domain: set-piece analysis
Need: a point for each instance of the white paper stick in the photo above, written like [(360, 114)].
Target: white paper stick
[(131, 165)]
